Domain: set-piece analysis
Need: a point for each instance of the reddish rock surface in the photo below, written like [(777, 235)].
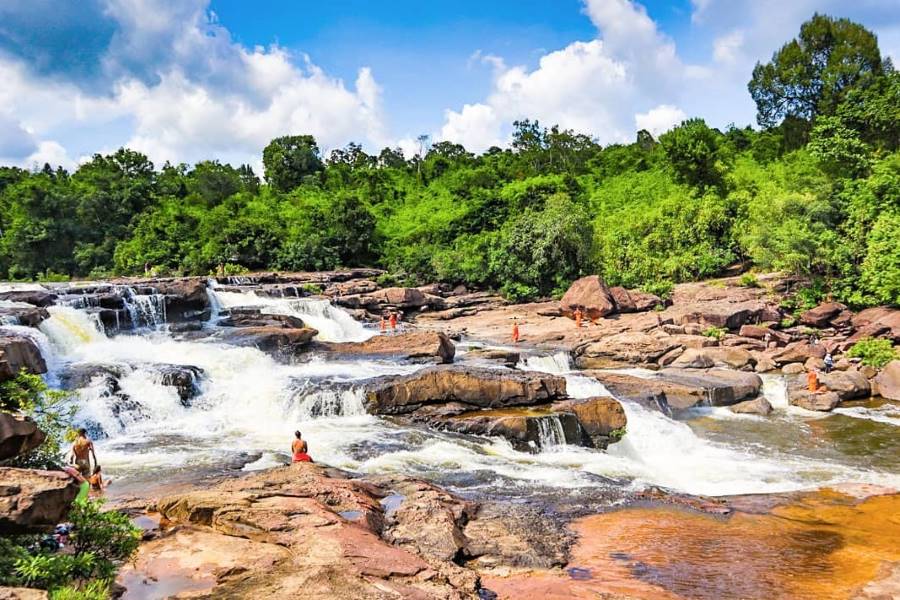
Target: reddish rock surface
[(18, 435), (34, 501), (592, 295), (888, 380), (430, 346), (822, 315), (17, 353)]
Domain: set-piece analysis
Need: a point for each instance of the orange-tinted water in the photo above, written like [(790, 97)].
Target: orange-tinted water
[(823, 545)]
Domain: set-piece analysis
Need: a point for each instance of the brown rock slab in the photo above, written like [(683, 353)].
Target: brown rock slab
[(525, 428), (888, 380), (273, 339), (758, 406), (598, 416), (627, 348), (18, 435), (423, 346), (466, 388), (18, 352), (33, 501), (848, 385), (629, 301), (818, 401), (704, 358), (592, 295), (799, 352), (822, 315)]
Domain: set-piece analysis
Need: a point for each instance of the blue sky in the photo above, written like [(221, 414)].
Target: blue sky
[(192, 79)]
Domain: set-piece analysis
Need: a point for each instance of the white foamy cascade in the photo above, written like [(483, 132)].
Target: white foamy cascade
[(69, 328), (550, 432), (333, 323), (552, 363), (145, 310)]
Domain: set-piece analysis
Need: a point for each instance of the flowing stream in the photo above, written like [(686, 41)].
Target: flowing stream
[(248, 406)]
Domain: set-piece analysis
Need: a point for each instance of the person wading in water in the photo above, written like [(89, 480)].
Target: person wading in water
[(82, 451), (299, 449)]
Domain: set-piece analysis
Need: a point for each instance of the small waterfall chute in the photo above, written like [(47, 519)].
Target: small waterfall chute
[(68, 327), (144, 310), (550, 432)]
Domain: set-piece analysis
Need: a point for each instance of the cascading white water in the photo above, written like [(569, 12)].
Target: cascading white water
[(550, 432), (333, 323), (553, 363), (145, 310), (69, 328)]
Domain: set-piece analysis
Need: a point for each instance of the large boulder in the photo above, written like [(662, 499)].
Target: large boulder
[(34, 501), (879, 321), (799, 352), (718, 356), (729, 315), (640, 390), (819, 401), (822, 315), (458, 389), (758, 406), (420, 346), (185, 298), (19, 352), (601, 417), (18, 435), (592, 295), (629, 301), (627, 348), (184, 378), (29, 316), (888, 381), (848, 385), (399, 297), (714, 387), (256, 318)]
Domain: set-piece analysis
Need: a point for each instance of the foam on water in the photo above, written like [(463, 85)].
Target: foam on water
[(887, 413)]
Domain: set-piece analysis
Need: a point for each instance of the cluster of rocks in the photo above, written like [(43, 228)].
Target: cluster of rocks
[(596, 299), (313, 531)]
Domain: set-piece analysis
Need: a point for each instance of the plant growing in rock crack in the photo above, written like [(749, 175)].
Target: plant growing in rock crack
[(717, 333)]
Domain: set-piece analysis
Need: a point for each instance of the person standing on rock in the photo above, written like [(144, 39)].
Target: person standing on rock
[(383, 324), (82, 451), (515, 331), (299, 449), (829, 362), (578, 317), (812, 380), (393, 322)]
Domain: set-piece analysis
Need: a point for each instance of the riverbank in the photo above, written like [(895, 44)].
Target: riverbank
[(189, 383)]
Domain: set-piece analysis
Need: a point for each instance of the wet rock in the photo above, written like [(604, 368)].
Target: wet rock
[(628, 348), (184, 378), (590, 293), (758, 406), (17, 353), (646, 392), (714, 387), (35, 297), (29, 316), (526, 429), (33, 501), (18, 435), (421, 346), (468, 387), (509, 358), (186, 327), (185, 298), (599, 417), (81, 375), (818, 401), (275, 340), (799, 352), (255, 318), (888, 380), (848, 385), (518, 536), (629, 301)]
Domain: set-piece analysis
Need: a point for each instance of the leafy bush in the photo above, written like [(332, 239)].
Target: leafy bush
[(749, 280), (874, 352), (715, 332), (663, 289), (29, 394)]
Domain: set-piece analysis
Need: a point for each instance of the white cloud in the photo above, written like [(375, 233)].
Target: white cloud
[(660, 119), (727, 48)]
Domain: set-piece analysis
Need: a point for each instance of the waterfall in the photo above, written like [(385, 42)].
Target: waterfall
[(550, 432), (555, 363), (332, 403), (144, 310), (334, 324), (70, 327)]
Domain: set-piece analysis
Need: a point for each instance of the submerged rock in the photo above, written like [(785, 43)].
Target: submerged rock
[(758, 406), (33, 501)]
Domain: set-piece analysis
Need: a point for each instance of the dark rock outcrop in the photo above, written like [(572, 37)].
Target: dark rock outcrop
[(822, 315), (29, 316), (276, 340), (526, 429), (255, 318), (600, 417), (18, 435), (35, 297), (34, 501)]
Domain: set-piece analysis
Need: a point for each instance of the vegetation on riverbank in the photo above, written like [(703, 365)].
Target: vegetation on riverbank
[(815, 192)]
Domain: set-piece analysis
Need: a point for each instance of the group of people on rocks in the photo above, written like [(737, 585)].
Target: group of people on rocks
[(812, 376), (90, 479), (391, 320), (578, 315)]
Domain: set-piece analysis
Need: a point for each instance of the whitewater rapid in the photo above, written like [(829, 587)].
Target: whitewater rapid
[(249, 403)]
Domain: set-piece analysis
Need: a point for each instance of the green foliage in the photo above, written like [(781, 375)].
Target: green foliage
[(94, 590), (663, 288), (289, 160), (617, 434), (28, 394), (691, 149), (717, 333), (749, 280), (810, 75), (874, 352)]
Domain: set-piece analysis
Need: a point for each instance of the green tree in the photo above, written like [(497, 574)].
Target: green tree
[(288, 160), (811, 74), (691, 149)]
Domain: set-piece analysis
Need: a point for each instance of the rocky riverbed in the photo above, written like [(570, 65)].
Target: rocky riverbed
[(455, 463)]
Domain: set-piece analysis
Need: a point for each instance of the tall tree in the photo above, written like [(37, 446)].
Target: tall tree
[(810, 74), (287, 160)]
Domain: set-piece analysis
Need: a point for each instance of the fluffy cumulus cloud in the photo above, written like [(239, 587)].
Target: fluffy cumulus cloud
[(172, 83), (632, 75)]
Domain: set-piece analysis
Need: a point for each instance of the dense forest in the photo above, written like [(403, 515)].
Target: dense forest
[(814, 191)]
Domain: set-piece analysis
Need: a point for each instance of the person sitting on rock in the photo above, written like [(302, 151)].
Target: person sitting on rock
[(299, 449), (82, 451), (84, 487)]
